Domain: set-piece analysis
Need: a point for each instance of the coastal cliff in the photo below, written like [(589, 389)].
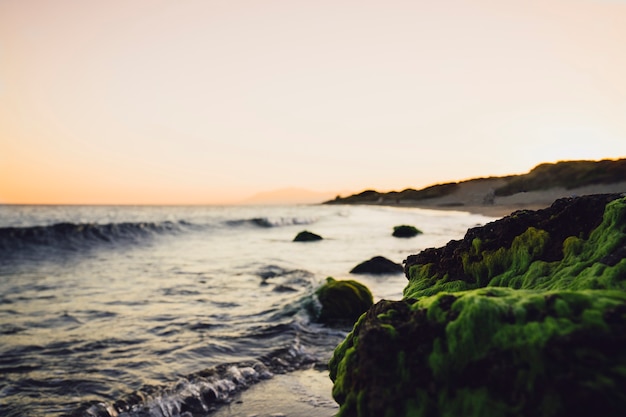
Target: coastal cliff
[(525, 316)]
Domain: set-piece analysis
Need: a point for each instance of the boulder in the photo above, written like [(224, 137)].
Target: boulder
[(405, 231), (377, 265), (306, 236), (525, 316), (343, 300)]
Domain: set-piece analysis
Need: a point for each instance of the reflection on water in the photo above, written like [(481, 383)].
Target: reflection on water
[(93, 312)]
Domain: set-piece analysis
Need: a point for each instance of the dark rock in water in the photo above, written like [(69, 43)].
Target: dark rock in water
[(377, 265), (405, 231), (343, 300), (525, 316), (306, 236), (284, 288)]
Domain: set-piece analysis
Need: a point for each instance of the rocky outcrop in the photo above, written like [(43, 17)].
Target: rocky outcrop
[(343, 300), (306, 236), (405, 231), (377, 265), (525, 316)]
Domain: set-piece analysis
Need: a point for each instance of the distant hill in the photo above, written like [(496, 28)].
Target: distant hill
[(288, 196), (568, 175)]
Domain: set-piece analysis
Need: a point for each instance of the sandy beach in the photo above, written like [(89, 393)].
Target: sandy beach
[(470, 197)]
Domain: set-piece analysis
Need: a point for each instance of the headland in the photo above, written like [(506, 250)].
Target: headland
[(500, 196)]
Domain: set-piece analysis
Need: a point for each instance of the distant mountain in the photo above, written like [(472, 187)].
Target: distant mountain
[(289, 196), (567, 175)]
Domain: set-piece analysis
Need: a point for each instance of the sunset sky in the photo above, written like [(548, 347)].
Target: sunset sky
[(203, 101)]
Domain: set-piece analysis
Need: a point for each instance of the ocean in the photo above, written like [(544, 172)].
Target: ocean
[(175, 310)]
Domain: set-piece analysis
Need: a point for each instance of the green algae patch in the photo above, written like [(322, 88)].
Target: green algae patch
[(525, 316), (597, 262), (343, 300), (405, 231), (486, 352)]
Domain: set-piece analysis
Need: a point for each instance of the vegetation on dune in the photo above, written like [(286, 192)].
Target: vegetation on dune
[(372, 196), (566, 174)]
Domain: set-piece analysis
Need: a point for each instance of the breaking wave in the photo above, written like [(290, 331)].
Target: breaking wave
[(203, 392), (271, 221), (75, 236)]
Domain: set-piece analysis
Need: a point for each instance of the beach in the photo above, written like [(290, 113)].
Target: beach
[(470, 197), (275, 397), (99, 302)]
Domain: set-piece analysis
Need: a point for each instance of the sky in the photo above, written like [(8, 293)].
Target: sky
[(210, 102)]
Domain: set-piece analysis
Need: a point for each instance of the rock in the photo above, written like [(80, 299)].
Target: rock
[(306, 236), (525, 316), (343, 300), (405, 231), (501, 253), (377, 265)]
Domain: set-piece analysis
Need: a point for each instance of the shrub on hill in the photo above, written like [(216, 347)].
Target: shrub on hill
[(566, 174)]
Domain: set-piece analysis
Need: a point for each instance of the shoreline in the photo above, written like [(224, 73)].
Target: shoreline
[(471, 198), (496, 211), (300, 393)]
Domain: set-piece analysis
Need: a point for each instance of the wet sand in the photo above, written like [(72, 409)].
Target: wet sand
[(303, 393)]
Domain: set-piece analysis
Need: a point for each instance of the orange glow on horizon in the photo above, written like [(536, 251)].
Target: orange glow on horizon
[(196, 102)]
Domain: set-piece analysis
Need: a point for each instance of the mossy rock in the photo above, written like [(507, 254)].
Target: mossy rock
[(377, 265), (525, 316), (343, 300), (306, 236), (577, 243), (486, 353), (405, 231)]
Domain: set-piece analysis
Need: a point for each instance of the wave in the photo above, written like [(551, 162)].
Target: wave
[(298, 344), (201, 392), (75, 236), (271, 221)]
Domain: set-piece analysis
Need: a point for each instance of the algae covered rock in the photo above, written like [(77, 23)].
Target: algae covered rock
[(306, 236), (377, 265), (486, 352), (343, 300), (405, 231), (576, 243), (525, 316)]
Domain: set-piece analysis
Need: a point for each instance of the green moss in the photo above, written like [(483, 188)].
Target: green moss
[(507, 333), (519, 266), (343, 300), (405, 231), (524, 249), (504, 319), (503, 352)]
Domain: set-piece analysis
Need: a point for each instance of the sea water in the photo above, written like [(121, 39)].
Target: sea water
[(183, 306)]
